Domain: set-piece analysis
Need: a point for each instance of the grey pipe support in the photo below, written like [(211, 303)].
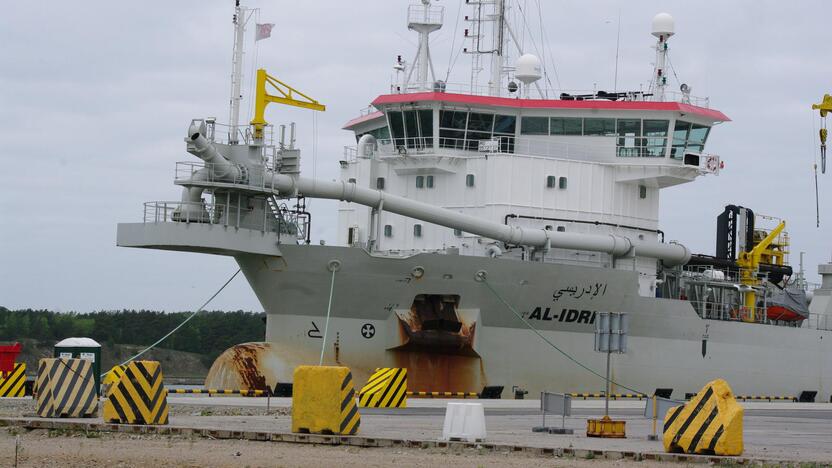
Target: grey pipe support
[(617, 246), (193, 194)]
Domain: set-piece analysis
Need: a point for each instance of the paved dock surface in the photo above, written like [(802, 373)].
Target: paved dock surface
[(773, 431), (782, 430)]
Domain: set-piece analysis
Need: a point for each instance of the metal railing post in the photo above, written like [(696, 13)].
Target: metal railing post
[(238, 211)]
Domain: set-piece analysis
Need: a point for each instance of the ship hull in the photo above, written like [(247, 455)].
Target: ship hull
[(370, 326)]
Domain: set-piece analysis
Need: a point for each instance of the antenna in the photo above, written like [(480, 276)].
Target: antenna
[(663, 28), (424, 19), (617, 49), (239, 21)]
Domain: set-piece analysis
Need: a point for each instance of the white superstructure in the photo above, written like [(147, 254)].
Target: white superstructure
[(586, 164)]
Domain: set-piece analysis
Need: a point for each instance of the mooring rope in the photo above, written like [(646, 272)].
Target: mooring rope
[(328, 310), (564, 353), (188, 319)]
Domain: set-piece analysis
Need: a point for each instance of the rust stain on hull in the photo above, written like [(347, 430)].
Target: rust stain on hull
[(436, 346), (241, 368)]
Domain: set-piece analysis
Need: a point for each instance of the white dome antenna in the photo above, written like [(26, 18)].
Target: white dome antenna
[(663, 27), (528, 69)]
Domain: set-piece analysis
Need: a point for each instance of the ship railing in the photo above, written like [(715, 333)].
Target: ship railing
[(350, 154), (225, 134), (224, 213), (255, 177), (728, 311), (603, 148), (425, 145), (710, 274), (420, 14), (551, 93)]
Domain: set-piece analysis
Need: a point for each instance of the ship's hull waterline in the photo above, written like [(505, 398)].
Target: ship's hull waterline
[(372, 325)]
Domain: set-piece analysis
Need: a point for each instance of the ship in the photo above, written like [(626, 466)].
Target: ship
[(485, 227)]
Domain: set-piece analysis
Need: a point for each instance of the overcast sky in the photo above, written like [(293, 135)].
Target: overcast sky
[(95, 98)]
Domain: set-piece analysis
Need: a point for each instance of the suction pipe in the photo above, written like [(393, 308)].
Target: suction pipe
[(617, 246), (221, 168)]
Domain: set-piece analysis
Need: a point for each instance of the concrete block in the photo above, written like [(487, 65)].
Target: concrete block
[(709, 424), (464, 421)]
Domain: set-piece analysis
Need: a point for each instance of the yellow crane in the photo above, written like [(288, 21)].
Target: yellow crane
[(287, 95), (770, 249), (824, 107)]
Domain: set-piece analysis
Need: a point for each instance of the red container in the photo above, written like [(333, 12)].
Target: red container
[(8, 356)]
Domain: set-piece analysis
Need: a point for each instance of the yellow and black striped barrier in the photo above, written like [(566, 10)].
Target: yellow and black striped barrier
[(324, 401), (756, 397), (767, 397), (214, 391), (66, 388), (443, 394), (139, 397), (112, 377), (613, 396), (709, 424), (14, 384), (386, 388)]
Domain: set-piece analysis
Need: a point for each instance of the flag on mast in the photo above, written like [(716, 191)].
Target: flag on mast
[(264, 31)]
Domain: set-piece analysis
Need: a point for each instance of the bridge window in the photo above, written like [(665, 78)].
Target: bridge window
[(599, 127), (420, 181), (380, 183), (429, 181), (688, 138), (351, 180), (551, 181), (642, 191), (388, 230), (566, 126), (458, 232), (381, 133), (411, 128), (505, 124), (417, 230), (629, 137), (452, 125), (480, 127), (562, 182), (464, 131), (534, 126), (469, 180), (655, 132)]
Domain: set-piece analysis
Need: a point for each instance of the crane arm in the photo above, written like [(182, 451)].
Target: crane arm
[(751, 259), (825, 106), (286, 95)]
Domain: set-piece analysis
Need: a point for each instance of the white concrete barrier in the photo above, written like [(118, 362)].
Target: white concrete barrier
[(465, 422)]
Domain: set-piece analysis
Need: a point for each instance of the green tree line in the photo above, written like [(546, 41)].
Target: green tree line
[(209, 333)]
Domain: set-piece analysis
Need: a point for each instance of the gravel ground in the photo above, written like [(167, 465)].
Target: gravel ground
[(42, 448)]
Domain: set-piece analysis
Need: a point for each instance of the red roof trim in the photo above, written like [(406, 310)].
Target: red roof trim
[(712, 114), (362, 119)]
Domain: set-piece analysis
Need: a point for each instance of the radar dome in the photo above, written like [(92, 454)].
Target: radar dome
[(528, 69), (663, 25)]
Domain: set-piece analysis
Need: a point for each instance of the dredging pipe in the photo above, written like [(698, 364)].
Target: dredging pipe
[(671, 254)]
